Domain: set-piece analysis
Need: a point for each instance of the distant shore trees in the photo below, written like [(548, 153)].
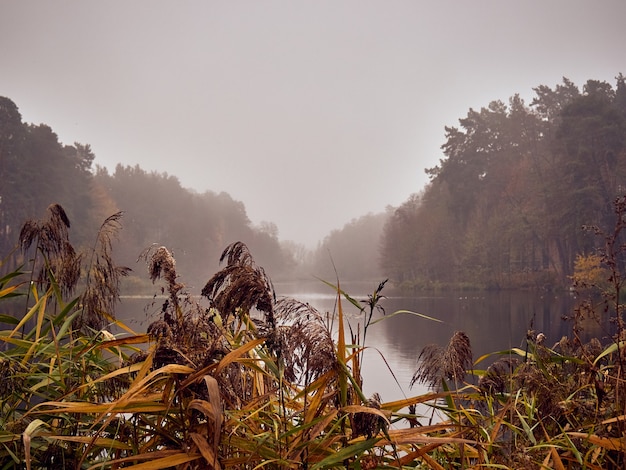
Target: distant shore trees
[(37, 170), (506, 204), (504, 207)]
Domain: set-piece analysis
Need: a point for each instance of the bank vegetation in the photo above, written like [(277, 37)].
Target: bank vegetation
[(243, 380)]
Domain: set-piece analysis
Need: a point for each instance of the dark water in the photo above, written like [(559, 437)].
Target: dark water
[(494, 321)]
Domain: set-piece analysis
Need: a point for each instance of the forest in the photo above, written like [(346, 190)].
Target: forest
[(37, 170), (505, 207)]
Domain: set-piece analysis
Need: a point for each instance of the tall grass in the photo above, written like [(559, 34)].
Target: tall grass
[(243, 380)]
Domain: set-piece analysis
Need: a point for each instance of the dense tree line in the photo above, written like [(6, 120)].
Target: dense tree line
[(37, 170), (195, 227), (506, 204)]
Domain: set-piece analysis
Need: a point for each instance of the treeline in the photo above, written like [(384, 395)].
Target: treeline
[(504, 208), (196, 227), (506, 205), (37, 170)]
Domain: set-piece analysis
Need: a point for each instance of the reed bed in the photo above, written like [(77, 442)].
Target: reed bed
[(247, 381)]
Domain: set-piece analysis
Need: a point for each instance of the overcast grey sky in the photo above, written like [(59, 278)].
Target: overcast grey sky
[(311, 113)]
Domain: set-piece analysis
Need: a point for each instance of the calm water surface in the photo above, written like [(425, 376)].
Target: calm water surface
[(494, 321)]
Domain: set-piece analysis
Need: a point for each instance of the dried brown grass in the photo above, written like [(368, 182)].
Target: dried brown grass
[(50, 238), (102, 291), (450, 363), (308, 348), (241, 284)]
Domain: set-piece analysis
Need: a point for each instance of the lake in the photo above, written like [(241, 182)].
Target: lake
[(493, 321)]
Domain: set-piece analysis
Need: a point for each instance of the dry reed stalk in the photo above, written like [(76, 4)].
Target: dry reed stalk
[(437, 364)]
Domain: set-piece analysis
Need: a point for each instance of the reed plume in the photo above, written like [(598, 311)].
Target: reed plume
[(309, 350), (241, 284), (102, 291), (369, 424), (452, 363), (51, 238), (162, 264), (186, 333), (499, 376)]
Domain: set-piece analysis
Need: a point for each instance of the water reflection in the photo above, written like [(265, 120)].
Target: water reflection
[(493, 321)]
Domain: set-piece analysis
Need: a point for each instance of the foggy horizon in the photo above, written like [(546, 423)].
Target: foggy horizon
[(311, 114)]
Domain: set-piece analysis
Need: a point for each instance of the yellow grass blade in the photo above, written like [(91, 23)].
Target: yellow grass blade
[(399, 404), (165, 370), (553, 455), (206, 450), (98, 441), (315, 406), (156, 460), (406, 312), (433, 464), (424, 450), (386, 415), (135, 339), (418, 436), (120, 324), (341, 352), (310, 435), (508, 352), (610, 443), (218, 416), (30, 312), (22, 343), (205, 408), (8, 290), (117, 372), (615, 419), (145, 404), (41, 312), (30, 431), (557, 463), (146, 366), (237, 353)]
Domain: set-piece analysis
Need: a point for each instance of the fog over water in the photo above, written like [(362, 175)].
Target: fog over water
[(310, 113)]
